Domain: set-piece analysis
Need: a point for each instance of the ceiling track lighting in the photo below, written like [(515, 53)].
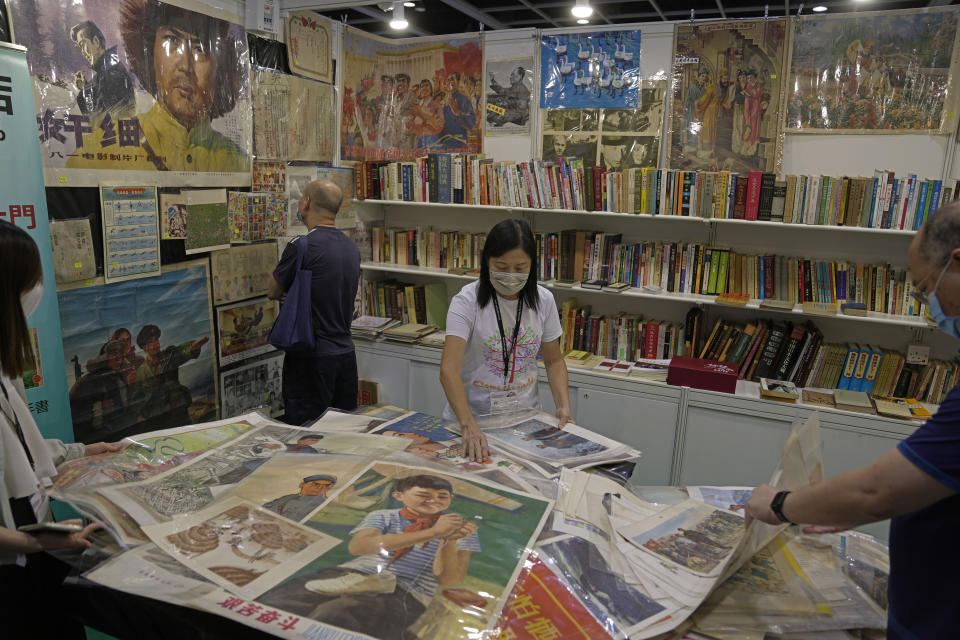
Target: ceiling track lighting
[(582, 9), (398, 21), (819, 8)]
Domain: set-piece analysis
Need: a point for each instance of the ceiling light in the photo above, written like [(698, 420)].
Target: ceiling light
[(398, 22), (819, 8), (583, 21), (582, 9), (409, 4)]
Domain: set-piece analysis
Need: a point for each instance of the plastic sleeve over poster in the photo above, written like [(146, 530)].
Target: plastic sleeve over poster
[(143, 89), (24, 203), (727, 93)]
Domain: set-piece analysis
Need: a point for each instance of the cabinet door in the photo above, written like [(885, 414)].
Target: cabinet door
[(392, 374), (724, 446), (645, 423), (426, 393), (546, 399)]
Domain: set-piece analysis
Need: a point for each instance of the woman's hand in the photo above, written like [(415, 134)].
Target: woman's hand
[(78, 540), (474, 443), (102, 447), (564, 416)]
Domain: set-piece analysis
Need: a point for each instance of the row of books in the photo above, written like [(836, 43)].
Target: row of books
[(691, 268), (573, 256), (427, 247), (406, 303), (460, 178), (883, 201)]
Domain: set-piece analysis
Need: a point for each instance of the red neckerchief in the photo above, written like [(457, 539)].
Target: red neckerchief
[(419, 523)]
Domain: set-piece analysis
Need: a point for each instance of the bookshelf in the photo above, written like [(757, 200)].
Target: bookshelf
[(871, 318)]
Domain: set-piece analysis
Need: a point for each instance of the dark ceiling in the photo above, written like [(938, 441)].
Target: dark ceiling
[(435, 17)]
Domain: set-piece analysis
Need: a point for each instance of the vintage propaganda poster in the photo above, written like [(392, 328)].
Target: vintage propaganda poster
[(243, 329), (508, 96), (886, 72), (73, 258), (292, 117), (109, 99), (600, 69), (403, 101), (131, 242), (253, 386), (173, 216), (309, 45), (242, 272), (617, 139), (343, 178), (136, 353), (601, 589), (197, 484), (726, 105), (424, 589), (244, 548)]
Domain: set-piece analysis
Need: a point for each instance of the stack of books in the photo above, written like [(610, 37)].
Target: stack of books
[(408, 333), (369, 327)]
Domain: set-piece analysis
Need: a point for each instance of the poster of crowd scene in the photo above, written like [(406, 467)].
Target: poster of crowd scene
[(155, 90), (726, 96), (137, 354), (617, 139), (582, 70), (885, 71), (403, 101)]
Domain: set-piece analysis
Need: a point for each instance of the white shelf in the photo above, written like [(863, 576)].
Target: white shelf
[(786, 226), (753, 305)]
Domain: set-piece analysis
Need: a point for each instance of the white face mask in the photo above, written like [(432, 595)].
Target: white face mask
[(31, 300), (508, 284)]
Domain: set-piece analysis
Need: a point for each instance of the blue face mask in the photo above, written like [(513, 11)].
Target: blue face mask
[(950, 325)]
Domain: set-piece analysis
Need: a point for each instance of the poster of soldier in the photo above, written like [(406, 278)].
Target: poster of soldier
[(136, 361), (109, 99), (727, 79), (243, 329), (880, 72), (401, 101)]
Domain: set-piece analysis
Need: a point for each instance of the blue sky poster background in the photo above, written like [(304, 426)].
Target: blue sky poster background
[(597, 55)]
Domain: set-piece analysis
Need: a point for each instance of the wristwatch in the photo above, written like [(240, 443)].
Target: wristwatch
[(776, 505)]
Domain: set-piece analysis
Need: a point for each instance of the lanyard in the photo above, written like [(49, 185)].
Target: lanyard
[(16, 425), (508, 371)]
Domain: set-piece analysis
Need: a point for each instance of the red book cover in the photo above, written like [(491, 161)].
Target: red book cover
[(652, 336), (740, 198), (753, 195), (768, 273), (754, 347), (598, 182), (702, 374)]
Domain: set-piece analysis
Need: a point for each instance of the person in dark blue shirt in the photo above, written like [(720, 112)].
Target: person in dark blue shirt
[(111, 88), (459, 116), (327, 375), (916, 484)]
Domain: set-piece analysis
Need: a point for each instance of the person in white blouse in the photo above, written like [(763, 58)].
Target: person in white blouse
[(496, 328), (27, 460)]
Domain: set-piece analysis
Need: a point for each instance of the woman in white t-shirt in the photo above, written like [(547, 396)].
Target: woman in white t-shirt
[(496, 326)]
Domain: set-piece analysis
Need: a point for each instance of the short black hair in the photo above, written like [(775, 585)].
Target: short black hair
[(402, 76), (424, 482), (144, 335), (90, 30), (310, 436), (505, 236), (386, 77)]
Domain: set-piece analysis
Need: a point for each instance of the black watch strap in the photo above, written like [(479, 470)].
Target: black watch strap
[(776, 505)]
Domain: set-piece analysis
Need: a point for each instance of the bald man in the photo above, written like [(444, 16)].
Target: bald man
[(327, 375)]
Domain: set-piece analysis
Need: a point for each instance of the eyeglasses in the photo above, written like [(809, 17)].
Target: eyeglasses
[(923, 297)]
